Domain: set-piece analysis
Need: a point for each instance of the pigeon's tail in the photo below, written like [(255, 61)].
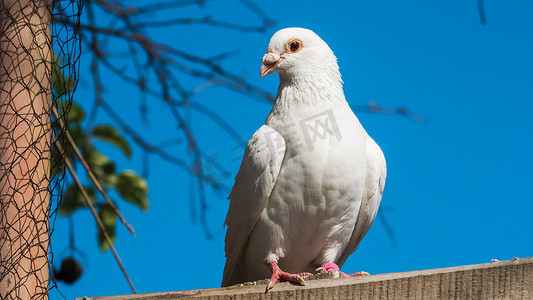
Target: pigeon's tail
[(232, 269)]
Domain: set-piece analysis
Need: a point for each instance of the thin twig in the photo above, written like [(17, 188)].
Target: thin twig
[(98, 221), (157, 150), (373, 107), (205, 21), (94, 70), (388, 228), (481, 9), (118, 10), (259, 12), (90, 172), (165, 5)]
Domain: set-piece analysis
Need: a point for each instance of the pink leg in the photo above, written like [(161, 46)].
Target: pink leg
[(333, 266), (278, 274)]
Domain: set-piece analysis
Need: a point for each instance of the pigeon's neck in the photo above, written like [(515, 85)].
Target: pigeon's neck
[(315, 90)]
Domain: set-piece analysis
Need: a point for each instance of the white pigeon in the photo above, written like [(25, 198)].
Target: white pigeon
[(311, 178)]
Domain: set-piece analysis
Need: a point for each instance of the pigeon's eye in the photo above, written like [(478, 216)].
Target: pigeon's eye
[(294, 45)]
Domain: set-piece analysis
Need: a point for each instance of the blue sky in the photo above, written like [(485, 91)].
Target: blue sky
[(458, 184)]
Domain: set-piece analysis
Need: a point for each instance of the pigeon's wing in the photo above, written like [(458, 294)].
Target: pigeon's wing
[(373, 190), (254, 182)]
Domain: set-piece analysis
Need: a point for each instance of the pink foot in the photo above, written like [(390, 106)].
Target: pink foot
[(333, 266), (278, 274)]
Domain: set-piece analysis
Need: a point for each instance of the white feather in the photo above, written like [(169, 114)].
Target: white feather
[(303, 197)]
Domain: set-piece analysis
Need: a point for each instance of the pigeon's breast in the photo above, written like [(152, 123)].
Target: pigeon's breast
[(314, 205)]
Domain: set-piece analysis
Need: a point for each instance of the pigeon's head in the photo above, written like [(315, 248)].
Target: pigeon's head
[(296, 52)]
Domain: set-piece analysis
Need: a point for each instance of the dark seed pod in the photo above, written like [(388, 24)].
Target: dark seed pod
[(69, 272)]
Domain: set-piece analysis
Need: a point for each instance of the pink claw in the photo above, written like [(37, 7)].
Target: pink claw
[(278, 274), (333, 266), (362, 273)]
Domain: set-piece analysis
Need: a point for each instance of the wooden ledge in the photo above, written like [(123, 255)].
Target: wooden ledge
[(511, 279)]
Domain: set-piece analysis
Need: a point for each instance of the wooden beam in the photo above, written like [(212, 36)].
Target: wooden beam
[(512, 279)]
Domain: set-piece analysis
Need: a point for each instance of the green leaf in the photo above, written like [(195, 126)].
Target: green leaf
[(80, 139), (57, 165), (78, 136), (75, 114), (60, 83), (73, 199), (100, 164), (111, 135), (133, 188), (109, 219)]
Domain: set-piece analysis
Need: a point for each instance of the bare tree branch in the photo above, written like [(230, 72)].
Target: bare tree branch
[(481, 9), (158, 72), (158, 150), (99, 222), (207, 20), (89, 171), (373, 107)]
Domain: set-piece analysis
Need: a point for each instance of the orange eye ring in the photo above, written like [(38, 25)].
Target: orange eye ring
[(293, 45)]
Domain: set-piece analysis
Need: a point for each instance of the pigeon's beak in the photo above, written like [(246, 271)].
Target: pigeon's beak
[(269, 63)]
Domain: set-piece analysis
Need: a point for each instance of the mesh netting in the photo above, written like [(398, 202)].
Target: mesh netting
[(39, 59)]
